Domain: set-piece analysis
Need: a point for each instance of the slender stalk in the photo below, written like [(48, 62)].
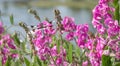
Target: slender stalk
[(34, 12), (59, 25), (116, 14), (23, 25)]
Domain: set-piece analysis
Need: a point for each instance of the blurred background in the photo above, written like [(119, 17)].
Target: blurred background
[(81, 10)]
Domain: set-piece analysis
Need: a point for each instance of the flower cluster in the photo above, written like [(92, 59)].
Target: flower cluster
[(53, 45), (101, 14), (105, 24), (69, 27), (82, 35), (73, 30), (43, 42), (60, 56), (6, 44), (43, 39), (107, 35)]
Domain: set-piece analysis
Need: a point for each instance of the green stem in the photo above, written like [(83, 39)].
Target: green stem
[(59, 25), (116, 13), (23, 25)]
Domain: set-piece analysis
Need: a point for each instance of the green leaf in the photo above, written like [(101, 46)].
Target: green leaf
[(44, 63), (58, 45), (11, 19), (106, 60), (16, 39), (115, 2), (34, 61), (18, 63), (0, 62), (39, 62), (116, 6), (27, 62), (77, 51), (70, 53), (23, 45), (117, 64), (117, 12), (14, 51), (8, 62)]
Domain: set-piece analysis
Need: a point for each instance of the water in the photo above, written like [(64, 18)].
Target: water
[(20, 13)]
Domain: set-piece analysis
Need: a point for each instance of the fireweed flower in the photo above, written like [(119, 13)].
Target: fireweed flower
[(114, 46), (105, 24), (42, 42), (70, 36), (6, 43), (96, 50), (43, 34), (110, 22), (54, 51), (101, 13), (117, 55), (60, 56), (99, 26), (89, 44), (82, 36), (85, 63), (69, 26), (43, 39)]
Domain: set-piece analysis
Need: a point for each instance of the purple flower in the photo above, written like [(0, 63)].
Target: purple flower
[(117, 55), (68, 24), (100, 43), (1, 42), (14, 55), (11, 44), (49, 31), (100, 10), (5, 50), (113, 31), (113, 44), (82, 36), (6, 37), (97, 16), (8, 44), (70, 36), (43, 52), (110, 22), (54, 51), (89, 44), (4, 59), (85, 63), (81, 43), (44, 24), (62, 52), (100, 28), (94, 58), (59, 60), (82, 29)]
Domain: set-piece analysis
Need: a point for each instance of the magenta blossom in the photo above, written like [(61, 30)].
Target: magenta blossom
[(68, 24), (8, 44), (85, 63), (70, 36), (82, 35)]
